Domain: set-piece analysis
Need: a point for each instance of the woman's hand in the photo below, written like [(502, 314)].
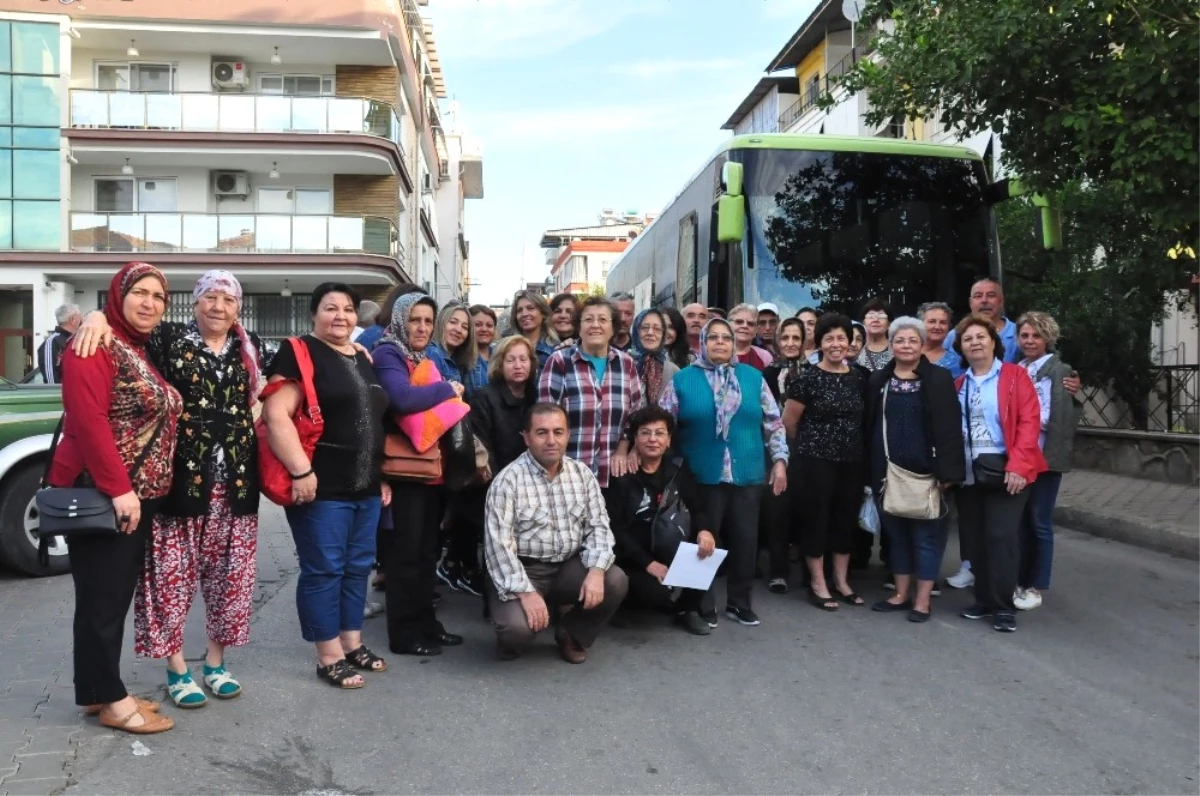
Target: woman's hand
[(706, 542), (484, 473), (362, 350), (458, 388), (385, 491), (1014, 483), (129, 512), (659, 571), (778, 478), (93, 333), (304, 490)]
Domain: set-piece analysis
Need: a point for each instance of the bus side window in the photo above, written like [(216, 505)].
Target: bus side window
[(685, 264)]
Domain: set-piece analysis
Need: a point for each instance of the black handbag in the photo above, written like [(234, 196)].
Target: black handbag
[(988, 468), (672, 523), (77, 510)]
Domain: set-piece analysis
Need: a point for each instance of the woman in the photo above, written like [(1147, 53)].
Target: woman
[(779, 527), (937, 319), (370, 336), (413, 628), (337, 493), (876, 317), (483, 321), (119, 431), (914, 404), (786, 367), (649, 351), (498, 410), (809, 316), (1037, 334), (453, 349), (824, 417), (530, 317), (676, 343), (599, 388), (1001, 421), (563, 309), (724, 411)]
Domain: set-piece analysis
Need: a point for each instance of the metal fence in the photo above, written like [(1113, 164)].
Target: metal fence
[(1173, 404), (270, 315)]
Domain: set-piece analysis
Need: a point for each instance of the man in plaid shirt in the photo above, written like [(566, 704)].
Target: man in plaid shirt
[(599, 388), (548, 546)]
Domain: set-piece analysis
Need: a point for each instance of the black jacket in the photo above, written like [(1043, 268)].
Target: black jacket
[(943, 417), (624, 496), (50, 354), (496, 419)]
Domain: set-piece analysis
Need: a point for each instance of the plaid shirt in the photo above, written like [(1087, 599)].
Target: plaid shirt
[(531, 515), (596, 413)]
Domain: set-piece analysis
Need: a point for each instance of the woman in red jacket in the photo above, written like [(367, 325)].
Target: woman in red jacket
[(1001, 422)]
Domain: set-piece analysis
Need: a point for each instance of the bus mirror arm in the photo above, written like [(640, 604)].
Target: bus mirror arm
[(1049, 219)]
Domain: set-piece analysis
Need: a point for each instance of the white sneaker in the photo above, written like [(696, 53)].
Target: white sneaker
[(1027, 599), (371, 609), (963, 579)]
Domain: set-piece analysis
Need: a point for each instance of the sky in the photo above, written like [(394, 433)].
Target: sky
[(579, 105)]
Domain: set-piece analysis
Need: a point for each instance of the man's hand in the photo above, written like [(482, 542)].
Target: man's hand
[(537, 616), (93, 333), (659, 571), (778, 478), (591, 593), (707, 543), (1072, 383)]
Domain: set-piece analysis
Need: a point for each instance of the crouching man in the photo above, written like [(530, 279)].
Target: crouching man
[(548, 545)]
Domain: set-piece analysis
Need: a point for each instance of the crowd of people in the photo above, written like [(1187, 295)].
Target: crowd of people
[(552, 468)]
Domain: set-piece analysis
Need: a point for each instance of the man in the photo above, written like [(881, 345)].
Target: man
[(68, 319), (744, 320), (768, 326), (624, 304), (715, 312), (368, 313), (634, 501), (548, 545), (695, 316)]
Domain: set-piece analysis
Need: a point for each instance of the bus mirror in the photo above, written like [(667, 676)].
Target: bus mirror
[(1050, 224), (731, 177), (731, 218)]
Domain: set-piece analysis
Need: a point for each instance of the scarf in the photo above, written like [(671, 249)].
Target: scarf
[(727, 391), (397, 331), (649, 363), (225, 282), (118, 289)]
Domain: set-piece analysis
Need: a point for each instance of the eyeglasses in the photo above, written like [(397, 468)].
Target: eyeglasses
[(876, 316), (742, 322), (720, 338), (653, 433)]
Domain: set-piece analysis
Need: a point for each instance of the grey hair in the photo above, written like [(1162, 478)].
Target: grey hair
[(621, 296), (936, 305), (368, 312), (906, 322), (743, 307), (66, 312)]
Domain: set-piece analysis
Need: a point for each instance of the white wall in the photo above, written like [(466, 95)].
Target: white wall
[(764, 116), (193, 186), (193, 71)]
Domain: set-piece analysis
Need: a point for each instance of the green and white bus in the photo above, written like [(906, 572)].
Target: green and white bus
[(820, 220)]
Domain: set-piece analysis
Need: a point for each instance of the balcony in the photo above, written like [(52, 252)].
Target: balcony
[(233, 233)]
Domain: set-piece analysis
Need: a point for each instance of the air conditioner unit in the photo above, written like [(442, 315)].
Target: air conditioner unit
[(231, 183), (229, 74)]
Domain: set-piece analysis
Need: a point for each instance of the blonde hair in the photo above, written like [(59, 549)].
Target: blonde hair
[(1044, 324), (496, 362), (543, 306), (467, 354)]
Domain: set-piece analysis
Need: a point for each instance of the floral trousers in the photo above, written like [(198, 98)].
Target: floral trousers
[(216, 550)]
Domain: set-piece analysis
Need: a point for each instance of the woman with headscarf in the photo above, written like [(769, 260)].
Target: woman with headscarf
[(724, 412), (119, 434), (207, 532), (649, 351)]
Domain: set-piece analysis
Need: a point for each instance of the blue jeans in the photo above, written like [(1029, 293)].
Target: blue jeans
[(914, 546), (1037, 532), (335, 541)]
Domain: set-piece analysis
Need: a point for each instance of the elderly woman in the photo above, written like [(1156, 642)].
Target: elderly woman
[(337, 494), (483, 324), (1001, 421), (649, 351), (207, 531), (563, 309), (912, 421), (413, 628), (119, 432), (530, 318), (938, 318), (724, 412), (599, 388), (875, 353), (1037, 334)]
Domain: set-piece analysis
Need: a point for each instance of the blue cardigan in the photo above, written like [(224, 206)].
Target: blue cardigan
[(697, 433)]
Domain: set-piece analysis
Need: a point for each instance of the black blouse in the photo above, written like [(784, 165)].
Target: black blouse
[(831, 427)]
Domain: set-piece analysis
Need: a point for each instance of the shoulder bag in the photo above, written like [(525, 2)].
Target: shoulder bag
[(905, 493), (988, 468), (275, 480), (672, 523), (403, 462)]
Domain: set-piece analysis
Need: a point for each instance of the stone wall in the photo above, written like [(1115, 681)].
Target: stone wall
[(1174, 458)]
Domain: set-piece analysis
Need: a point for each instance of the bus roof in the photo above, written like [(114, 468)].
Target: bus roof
[(848, 143)]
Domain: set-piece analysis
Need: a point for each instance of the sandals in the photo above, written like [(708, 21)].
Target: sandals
[(184, 692), (824, 603), (848, 599), (363, 658), (221, 683), (152, 723), (147, 705), (338, 674)]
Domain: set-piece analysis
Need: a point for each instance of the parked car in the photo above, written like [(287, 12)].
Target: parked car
[(29, 413)]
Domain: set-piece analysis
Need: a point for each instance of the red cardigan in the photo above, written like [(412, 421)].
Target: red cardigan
[(1020, 419)]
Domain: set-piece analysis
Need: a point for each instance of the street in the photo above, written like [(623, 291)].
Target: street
[(1097, 692)]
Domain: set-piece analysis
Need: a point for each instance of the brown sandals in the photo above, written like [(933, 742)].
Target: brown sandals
[(152, 723), (148, 705)]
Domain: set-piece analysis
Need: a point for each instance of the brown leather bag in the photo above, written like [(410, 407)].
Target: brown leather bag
[(402, 462)]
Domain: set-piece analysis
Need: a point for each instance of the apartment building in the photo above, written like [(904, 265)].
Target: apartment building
[(579, 257), (289, 141)]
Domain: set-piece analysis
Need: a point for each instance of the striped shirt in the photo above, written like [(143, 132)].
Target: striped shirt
[(531, 515)]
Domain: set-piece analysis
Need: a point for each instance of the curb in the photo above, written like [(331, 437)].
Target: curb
[(1164, 538)]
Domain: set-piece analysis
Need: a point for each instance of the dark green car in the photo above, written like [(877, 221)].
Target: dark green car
[(29, 413)]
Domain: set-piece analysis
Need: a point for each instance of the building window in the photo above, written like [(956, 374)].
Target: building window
[(129, 195), (30, 115), (141, 76), (814, 90), (295, 201), (296, 85)]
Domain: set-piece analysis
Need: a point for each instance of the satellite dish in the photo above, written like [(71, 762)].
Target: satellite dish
[(852, 9)]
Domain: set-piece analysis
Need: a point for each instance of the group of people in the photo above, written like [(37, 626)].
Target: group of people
[(578, 451)]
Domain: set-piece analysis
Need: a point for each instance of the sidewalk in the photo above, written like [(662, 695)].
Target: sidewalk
[(1151, 514)]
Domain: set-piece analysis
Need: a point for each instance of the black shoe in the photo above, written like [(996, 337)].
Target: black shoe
[(778, 586), (448, 574), (884, 607), (692, 623), (710, 618), (471, 583), (1005, 623), (976, 611), (421, 649), (445, 639), (743, 616), (918, 616)]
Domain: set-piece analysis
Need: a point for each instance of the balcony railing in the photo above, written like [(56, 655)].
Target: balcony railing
[(809, 100), (234, 233), (232, 113)]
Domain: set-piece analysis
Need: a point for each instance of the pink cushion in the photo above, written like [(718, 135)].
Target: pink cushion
[(426, 428)]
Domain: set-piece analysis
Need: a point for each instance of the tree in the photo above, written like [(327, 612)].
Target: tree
[(1101, 91)]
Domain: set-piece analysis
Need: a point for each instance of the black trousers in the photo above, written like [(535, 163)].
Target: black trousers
[(412, 558), (989, 522), (105, 569), (466, 526), (646, 592), (833, 493), (734, 510), (779, 526)]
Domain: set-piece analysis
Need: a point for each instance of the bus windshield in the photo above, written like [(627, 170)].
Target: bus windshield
[(833, 229)]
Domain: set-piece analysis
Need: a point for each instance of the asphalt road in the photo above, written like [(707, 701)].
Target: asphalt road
[(1097, 692)]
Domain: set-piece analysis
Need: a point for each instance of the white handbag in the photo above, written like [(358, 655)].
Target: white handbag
[(905, 493)]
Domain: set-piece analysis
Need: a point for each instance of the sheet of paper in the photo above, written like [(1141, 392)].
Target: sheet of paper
[(690, 571)]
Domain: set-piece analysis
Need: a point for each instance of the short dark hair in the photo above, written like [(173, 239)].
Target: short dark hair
[(832, 321), (325, 288), (816, 312), (597, 301), (799, 324), (975, 319), (650, 413), (483, 309), (560, 298), (385, 310), (876, 305), (543, 408)]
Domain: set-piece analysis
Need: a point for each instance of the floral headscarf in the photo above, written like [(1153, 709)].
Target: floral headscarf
[(649, 363), (727, 391), (227, 283), (397, 331), (118, 289)]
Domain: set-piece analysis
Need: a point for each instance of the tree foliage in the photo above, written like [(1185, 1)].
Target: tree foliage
[(1104, 91)]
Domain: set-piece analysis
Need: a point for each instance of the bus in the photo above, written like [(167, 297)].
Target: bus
[(822, 221)]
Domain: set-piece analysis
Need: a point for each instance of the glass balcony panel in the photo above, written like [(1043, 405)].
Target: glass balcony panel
[(126, 109), (201, 111), (377, 236), (235, 233), (274, 114), (88, 231), (345, 234), (89, 108), (346, 115), (310, 234), (126, 233), (236, 112), (164, 232), (274, 233), (164, 111), (200, 232), (309, 115)]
